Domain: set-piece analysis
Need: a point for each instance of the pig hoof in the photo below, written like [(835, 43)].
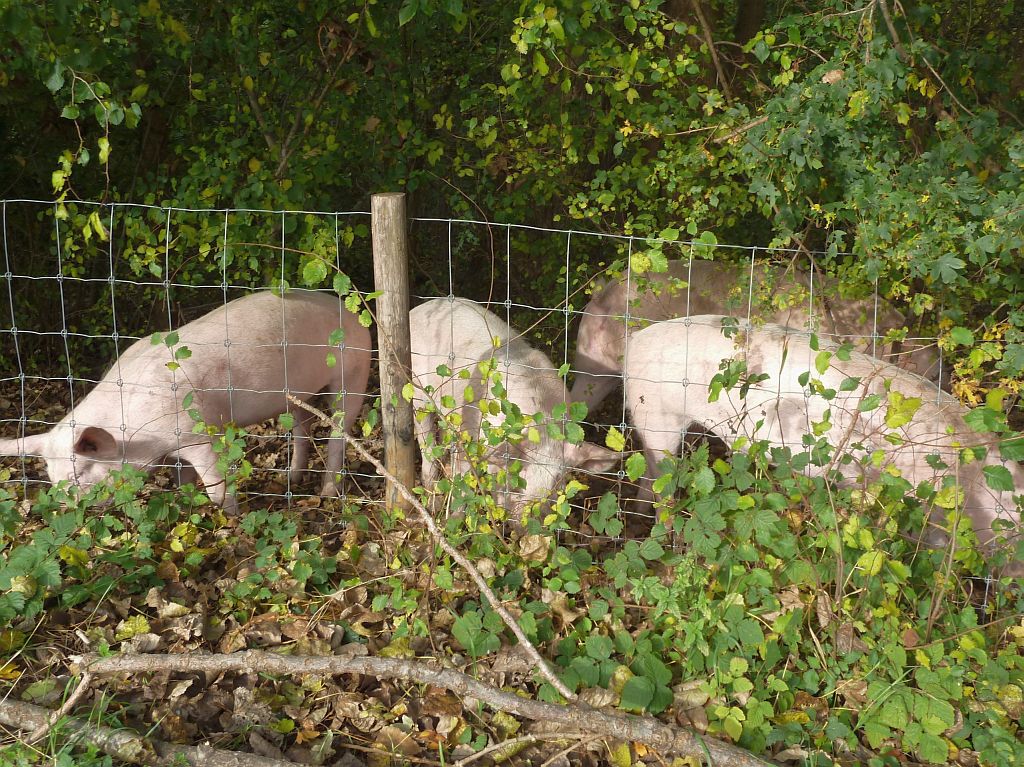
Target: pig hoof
[(329, 490)]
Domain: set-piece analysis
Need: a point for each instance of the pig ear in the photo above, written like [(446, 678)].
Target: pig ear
[(32, 445), (97, 443), (591, 457)]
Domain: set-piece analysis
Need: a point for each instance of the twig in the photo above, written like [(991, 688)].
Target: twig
[(438, 536), (663, 737), (711, 47), (557, 758), (130, 747), (40, 732), (947, 88), (522, 741), (900, 50), (257, 113), (741, 129)]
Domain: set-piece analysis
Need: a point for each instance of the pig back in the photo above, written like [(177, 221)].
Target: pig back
[(243, 356), (764, 292)]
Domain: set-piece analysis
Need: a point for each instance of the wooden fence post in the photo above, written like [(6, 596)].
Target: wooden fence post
[(391, 278)]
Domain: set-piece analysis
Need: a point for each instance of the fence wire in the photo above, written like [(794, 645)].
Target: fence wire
[(86, 281)]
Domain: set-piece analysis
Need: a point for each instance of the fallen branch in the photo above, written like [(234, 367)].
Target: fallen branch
[(128, 746), (665, 738), (40, 732), (451, 551)]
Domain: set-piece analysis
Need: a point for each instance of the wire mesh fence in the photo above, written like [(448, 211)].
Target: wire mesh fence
[(85, 281)]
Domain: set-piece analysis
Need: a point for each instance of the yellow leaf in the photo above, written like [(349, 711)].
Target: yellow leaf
[(9, 672), (615, 440), (254, 165), (949, 497), (871, 562)]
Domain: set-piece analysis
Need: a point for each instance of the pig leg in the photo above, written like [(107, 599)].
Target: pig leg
[(204, 461), (424, 429), (665, 438), (352, 382), (336, 443), (300, 442)]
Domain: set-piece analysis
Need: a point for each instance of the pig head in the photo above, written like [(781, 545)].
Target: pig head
[(461, 335), (245, 357), (671, 366), (783, 296)]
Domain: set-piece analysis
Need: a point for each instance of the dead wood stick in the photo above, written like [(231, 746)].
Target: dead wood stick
[(464, 563), (40, 732), (666, 738), (128, 746)]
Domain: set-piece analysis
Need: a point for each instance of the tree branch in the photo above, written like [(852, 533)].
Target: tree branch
[(257, 113), (900, 50), (741, 129), (666, 738), (128, 746), (711, 47)]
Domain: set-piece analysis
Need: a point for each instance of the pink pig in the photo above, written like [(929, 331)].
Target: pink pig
[(461, 334), (671, 365), (244, 356), (715, 287)]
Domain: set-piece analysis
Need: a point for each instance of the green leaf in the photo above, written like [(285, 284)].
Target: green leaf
[(342, 284), (704, 481), (56, 79), (984, 420), (733, 727), (961, 336), (314, 272), (1012, 449), (849, 384), (871, 402), (947, 268), (999, 478), (599, 647), (407, 11), (651, 550), (636, 466), (637, 694)]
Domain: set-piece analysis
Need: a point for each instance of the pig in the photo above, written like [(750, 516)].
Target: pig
[(244, 356), (715, 287), (460, 334), (671, 364)]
